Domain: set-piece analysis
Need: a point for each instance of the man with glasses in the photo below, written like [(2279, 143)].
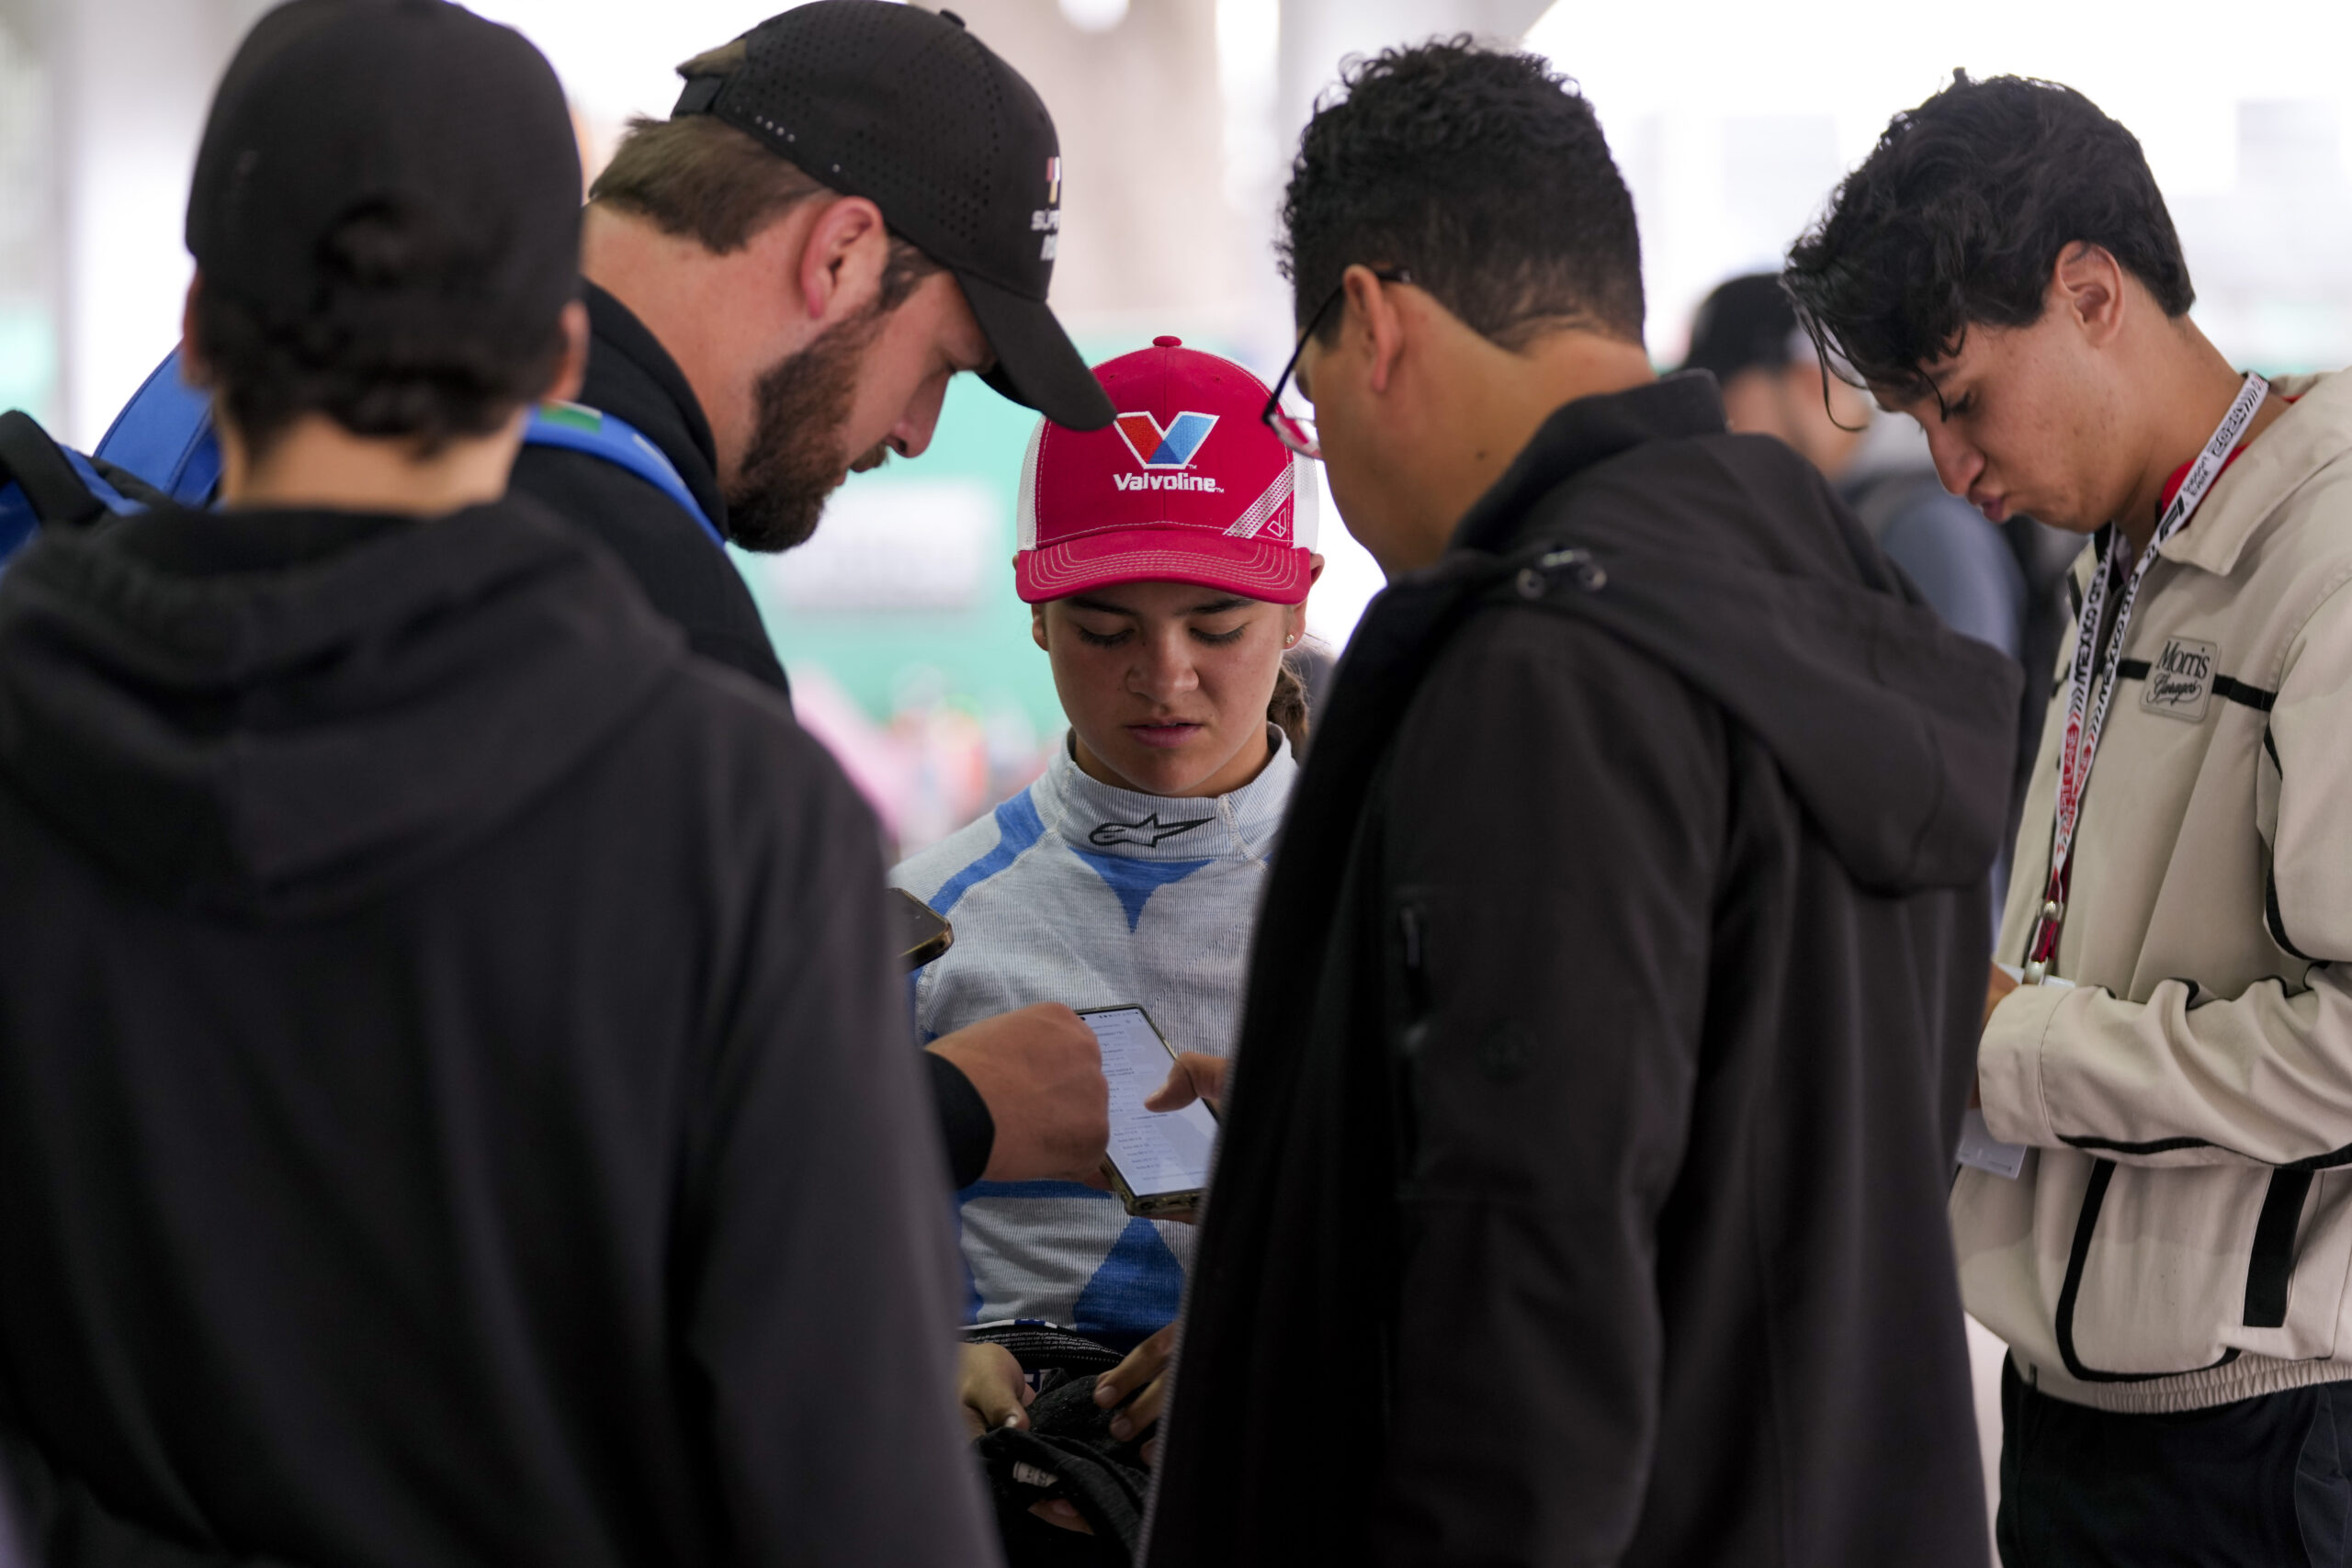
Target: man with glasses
[(1609, 1025)]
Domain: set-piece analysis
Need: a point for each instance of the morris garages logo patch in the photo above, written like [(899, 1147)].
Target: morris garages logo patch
[(2180, 679)]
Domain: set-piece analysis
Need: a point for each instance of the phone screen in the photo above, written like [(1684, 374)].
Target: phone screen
[(1157, 1153)]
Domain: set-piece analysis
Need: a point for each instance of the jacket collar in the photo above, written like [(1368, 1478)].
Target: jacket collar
[(2315, 431), (632, 376), (1100, 818), (1584, 432), (1387, 651)]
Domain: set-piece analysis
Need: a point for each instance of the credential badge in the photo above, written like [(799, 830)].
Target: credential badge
[(2180, 679)]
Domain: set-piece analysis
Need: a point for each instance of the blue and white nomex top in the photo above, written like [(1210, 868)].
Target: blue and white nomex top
[(1076, 892)]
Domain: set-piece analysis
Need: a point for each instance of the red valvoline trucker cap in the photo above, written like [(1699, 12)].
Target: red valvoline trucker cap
[(1187, 485), (905, 108)]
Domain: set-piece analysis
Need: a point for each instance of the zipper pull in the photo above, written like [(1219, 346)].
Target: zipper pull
[(1412, 936)]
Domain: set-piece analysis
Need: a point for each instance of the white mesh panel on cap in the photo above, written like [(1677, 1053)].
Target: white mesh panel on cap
[(1262, 511), (1306, 501), (1024, 507)]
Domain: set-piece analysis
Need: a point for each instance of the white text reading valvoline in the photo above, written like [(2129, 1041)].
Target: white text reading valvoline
[(1165, 482)]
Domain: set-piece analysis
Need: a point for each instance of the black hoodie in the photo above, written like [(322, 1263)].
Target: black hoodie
[(455, 1105), (684, 576), (1612, 1010)]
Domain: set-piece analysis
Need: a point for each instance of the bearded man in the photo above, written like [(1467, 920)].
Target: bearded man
[(851, 204)]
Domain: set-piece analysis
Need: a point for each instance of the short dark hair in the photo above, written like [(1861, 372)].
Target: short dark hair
[(699, 178), (1958, 216), (399, 337), (1482, 173)]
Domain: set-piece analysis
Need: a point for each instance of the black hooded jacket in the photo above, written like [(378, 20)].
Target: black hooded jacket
[(632, 376), (1612, 1010), (455, 1102)]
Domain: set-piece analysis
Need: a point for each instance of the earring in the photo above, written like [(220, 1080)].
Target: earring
[(1291, 641)]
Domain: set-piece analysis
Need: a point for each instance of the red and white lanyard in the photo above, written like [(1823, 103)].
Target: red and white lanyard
[(2090, 685)]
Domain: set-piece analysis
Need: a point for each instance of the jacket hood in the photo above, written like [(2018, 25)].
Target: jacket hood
[(1731, 560), (281, 713)]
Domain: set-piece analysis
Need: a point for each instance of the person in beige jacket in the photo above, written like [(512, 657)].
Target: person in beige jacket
[(2156, 1212)]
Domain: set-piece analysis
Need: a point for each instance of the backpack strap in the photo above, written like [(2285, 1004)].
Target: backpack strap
[(121, 490), (162, 447), (163, 436), (54, 489), (575, 427), (45, 485)]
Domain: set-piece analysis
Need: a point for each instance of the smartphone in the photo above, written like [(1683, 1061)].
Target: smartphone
[(920, 935), (1158, 1161)]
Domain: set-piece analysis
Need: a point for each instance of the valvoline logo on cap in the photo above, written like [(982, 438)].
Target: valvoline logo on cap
[(1164, 450)]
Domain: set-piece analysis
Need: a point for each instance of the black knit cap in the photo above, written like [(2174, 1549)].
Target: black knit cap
[(1746, 323), (905, 108), (337, 108)]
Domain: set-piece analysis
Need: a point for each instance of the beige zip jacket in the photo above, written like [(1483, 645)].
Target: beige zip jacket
[(2180, 1233)]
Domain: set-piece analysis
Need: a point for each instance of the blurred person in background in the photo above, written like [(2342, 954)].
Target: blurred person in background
[(2003, 585), (453, 1107), (1606, 1033), (2162, 1244), (1774, 383), (1167, 562), (851, 204)]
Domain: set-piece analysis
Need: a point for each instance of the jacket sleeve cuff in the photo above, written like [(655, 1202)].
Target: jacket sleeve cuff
[(2008, 1067), (965, 1124)]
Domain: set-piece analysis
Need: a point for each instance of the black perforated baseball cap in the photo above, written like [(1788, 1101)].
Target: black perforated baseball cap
[(333, 110), (905, 108)]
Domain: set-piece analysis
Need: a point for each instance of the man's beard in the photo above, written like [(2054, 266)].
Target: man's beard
[(796, 459)]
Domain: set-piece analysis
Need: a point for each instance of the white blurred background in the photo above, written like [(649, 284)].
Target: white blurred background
[(1178, 117), (1731, 121)]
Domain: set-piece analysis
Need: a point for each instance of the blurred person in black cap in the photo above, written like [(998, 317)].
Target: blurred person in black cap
[(2001, 583), (451, 1109), (852, 203)]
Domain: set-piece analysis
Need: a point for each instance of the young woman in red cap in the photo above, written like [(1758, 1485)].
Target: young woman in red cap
[(1167, 560)]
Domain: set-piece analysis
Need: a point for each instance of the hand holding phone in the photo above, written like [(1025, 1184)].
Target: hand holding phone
[(1196, 1076), (1158, 1161)]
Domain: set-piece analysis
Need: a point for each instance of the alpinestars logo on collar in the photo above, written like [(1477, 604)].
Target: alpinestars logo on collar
[(1150, 832)]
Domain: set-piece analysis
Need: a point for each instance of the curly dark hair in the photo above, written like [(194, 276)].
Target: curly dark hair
[(405, 333), (1958, 216), (1484, 173)]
